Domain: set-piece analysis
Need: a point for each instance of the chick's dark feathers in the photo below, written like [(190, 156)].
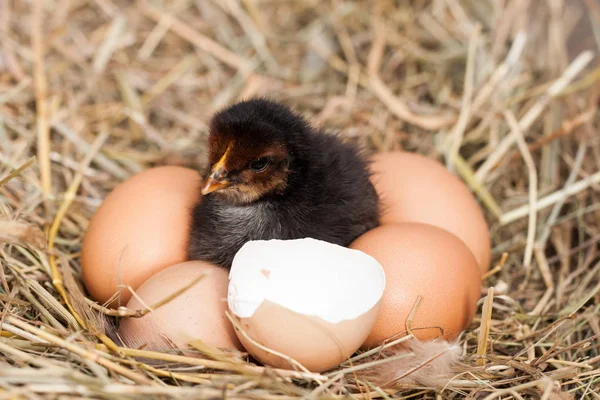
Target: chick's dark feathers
[(327, 193)]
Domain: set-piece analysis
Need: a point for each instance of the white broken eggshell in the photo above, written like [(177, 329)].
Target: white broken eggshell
[(307, 299)]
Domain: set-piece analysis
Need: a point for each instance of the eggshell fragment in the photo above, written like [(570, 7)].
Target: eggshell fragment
[(197, 313), (316, 344), (140, 228), (310, 300), (414, 188), (422, 260)]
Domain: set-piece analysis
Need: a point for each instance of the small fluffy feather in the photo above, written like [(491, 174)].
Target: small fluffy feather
[(430, 365), (22, 233)]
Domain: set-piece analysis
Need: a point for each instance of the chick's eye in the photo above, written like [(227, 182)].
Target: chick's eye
[(260, 164)]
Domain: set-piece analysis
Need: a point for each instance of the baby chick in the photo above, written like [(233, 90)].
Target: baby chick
[(272, 176)]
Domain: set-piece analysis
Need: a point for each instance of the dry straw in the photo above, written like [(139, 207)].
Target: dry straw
[(505, 92)]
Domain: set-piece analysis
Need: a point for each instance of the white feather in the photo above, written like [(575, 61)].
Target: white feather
[(428, 364)]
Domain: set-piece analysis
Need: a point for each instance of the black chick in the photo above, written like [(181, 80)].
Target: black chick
[(272, 176)]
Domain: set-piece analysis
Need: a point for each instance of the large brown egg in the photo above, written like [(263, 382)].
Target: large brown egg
[(140, 228), (198, 313), (414, 188), (422, 260)]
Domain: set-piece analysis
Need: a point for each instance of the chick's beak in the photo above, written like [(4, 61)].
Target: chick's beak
[(215, 181)]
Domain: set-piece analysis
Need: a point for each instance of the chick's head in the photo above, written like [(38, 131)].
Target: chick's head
[(251, 150)]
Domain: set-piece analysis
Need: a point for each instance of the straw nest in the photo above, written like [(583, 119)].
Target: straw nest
[(505, 92)]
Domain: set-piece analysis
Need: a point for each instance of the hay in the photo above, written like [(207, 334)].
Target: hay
[(505, 92)]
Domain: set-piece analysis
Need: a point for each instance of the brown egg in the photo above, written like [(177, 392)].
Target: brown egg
[(422, 260), (414, 188), (197, 313), (307, 299), (139, 229)]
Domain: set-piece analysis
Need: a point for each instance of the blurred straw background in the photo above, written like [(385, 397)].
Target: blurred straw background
[(504, 92)]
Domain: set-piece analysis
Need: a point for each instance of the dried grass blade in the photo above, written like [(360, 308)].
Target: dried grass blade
[(17, 171), (484, 327), (41, 96)]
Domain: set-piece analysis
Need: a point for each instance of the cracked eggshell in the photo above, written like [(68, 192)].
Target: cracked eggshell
[(427, 261), (307, 299), (197, 313), (140, 228), (414, 188)]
